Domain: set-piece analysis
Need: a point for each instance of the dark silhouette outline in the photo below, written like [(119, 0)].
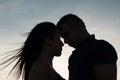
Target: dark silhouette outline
[(92, 59), (43, 35)]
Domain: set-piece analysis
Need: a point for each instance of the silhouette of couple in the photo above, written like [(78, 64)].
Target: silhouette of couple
[(92, 59)]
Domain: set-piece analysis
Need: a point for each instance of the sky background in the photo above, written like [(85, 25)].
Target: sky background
[(102, 18)]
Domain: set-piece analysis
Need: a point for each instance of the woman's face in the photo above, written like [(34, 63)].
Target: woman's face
[(57, 44)]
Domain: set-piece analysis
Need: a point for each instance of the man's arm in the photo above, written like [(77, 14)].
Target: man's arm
[(106, 72)]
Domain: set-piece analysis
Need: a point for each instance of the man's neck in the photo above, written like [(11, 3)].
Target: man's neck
[(83, 39)]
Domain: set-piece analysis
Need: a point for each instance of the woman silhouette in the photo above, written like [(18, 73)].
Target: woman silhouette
[(36, 55)]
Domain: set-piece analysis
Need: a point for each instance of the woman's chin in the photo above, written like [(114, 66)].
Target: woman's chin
[(58, 54)]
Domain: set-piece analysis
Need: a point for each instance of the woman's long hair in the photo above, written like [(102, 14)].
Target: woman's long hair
[(31, 49)]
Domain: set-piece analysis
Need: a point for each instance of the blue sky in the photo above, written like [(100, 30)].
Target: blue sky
[(102, 18)]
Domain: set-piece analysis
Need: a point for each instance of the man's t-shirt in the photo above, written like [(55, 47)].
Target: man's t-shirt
[(88, 54)]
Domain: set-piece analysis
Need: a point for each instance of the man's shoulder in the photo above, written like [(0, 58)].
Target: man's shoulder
[(103, 48), (105, 52), (103, 44)]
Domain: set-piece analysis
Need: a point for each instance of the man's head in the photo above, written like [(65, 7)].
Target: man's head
[(72, 29)]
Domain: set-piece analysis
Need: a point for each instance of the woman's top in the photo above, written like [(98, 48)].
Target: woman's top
[(43, 71)]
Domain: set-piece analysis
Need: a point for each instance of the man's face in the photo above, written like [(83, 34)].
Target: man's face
[(69, 34)]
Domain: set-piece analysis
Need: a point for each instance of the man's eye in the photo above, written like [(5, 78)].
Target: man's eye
[(65, 34)]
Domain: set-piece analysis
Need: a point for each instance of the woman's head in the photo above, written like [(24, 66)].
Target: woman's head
[(35, 40)]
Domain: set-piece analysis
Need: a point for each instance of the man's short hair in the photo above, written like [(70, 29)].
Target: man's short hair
[(70, 19)]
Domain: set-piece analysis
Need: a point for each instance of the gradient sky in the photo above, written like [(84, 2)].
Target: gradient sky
[(102, 18)]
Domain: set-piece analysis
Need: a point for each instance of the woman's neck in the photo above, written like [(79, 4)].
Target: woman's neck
[(46, 56)]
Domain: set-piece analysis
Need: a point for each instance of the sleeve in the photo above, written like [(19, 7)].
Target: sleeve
[(105, 54)]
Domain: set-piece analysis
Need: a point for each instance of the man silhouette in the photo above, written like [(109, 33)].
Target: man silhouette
[(92, 59)]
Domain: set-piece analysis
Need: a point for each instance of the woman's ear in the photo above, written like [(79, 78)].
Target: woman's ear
[(48, 41)]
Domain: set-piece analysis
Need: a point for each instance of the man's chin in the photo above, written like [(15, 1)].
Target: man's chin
[(70, 45)]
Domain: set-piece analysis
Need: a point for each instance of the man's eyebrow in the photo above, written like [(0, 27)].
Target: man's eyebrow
[(65, 33)]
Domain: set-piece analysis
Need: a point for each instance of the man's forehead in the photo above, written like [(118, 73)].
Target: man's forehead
[(65, 27)]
